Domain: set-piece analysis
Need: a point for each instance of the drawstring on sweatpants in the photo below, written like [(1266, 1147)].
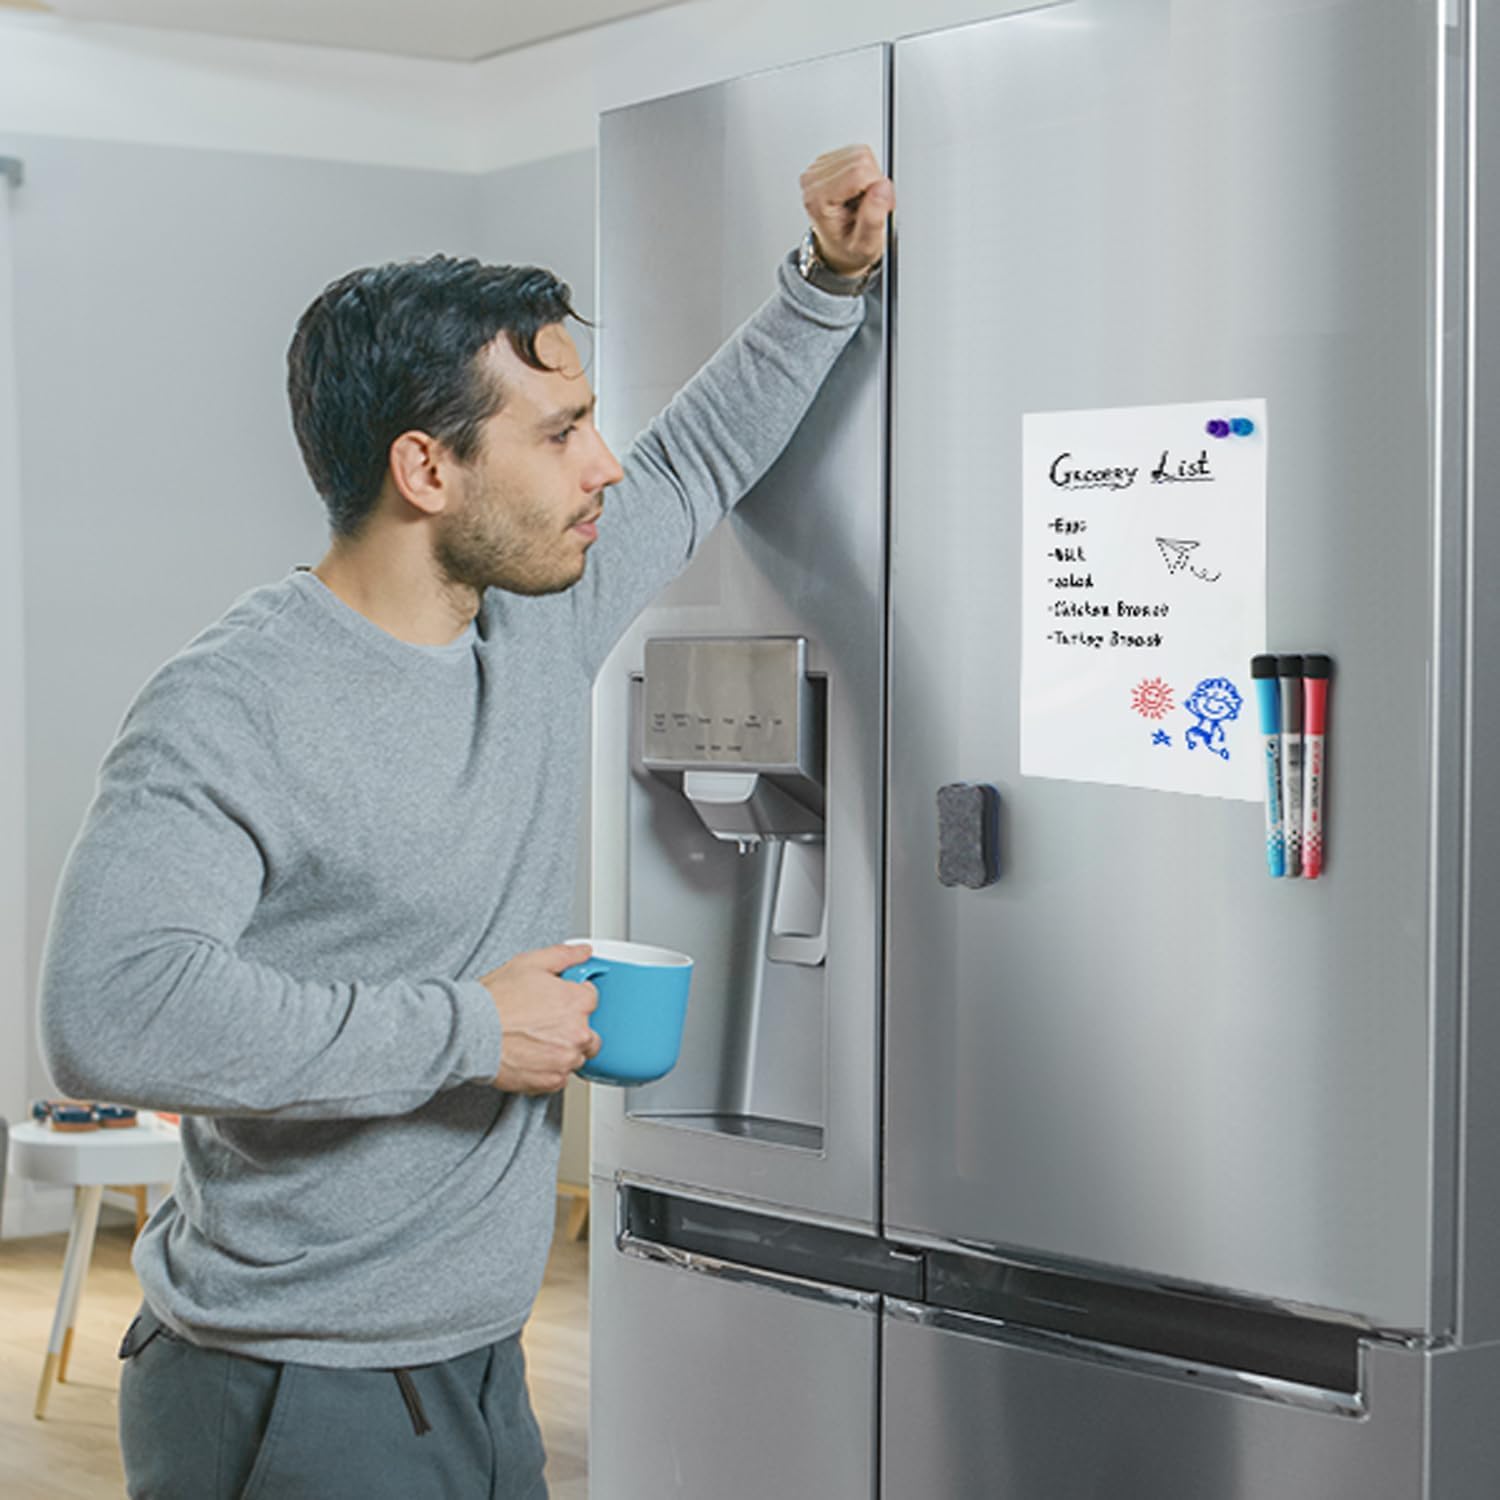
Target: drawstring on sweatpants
[(419, 1423)]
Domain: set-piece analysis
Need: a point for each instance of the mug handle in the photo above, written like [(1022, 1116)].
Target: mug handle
[(580, 973)]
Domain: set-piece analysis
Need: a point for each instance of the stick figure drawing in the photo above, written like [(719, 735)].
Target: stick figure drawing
[(1214, 703)]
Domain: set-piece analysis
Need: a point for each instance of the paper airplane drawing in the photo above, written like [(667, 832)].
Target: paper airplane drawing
[(1178, 556)]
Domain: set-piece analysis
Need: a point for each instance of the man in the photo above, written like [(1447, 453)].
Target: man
[(316, 905)]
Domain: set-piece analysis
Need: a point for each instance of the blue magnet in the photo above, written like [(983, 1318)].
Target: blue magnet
[(1242, 426), (1218, 428)]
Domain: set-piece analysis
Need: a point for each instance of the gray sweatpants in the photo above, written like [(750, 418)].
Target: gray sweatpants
[(198, 1424)]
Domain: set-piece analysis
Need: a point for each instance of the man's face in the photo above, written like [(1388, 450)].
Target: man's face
[(525, 507)]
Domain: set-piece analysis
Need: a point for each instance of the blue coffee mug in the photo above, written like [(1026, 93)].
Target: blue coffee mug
[(643, 996)]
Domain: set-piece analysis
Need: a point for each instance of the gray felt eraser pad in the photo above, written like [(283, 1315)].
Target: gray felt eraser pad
[(968, 846)]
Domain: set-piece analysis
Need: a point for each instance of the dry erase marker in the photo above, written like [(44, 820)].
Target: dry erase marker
[(1289, 669), (1268, 696), (1315, 670)]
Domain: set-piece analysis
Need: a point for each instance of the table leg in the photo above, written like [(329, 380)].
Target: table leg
[(75, 1265), (67, 1344)]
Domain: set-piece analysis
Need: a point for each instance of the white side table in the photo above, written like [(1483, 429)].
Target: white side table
[(90, 1161)]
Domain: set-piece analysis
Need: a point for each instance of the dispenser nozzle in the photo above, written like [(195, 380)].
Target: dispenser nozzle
[(745, 808)]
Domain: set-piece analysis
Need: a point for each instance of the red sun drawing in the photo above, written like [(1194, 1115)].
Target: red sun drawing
[(1151, 698)]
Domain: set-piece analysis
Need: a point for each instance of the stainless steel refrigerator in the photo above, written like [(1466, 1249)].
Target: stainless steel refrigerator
[(1123, 1171)]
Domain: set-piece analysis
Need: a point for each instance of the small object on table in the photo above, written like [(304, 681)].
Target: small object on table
[(75, 1114), (70, 1114), (115, 1116)]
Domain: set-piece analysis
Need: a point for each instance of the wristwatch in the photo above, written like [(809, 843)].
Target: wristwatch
[(816, 271)]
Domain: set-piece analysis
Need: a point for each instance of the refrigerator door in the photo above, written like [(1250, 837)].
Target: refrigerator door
[(775, 1096), (971, 1409), (717, 1382), (1135, 1050)]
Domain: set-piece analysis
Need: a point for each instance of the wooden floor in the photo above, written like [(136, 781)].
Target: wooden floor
[(73, 1455)]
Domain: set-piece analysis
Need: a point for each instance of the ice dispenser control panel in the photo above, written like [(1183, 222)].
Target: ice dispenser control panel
[(729, 702)]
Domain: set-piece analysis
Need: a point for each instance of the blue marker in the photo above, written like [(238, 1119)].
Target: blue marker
[(1268, 696)]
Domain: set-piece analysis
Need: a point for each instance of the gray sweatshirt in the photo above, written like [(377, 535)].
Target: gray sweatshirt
[(309, 840)]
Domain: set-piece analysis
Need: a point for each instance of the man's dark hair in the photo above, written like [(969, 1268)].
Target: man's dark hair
[(395, 348)]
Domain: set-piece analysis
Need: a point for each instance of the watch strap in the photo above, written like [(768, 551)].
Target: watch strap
[(816, 272)]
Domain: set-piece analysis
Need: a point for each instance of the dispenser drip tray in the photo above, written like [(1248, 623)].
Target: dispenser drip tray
[(762, 1129)]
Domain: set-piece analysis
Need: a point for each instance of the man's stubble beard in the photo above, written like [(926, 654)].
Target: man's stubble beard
[(486, 544)]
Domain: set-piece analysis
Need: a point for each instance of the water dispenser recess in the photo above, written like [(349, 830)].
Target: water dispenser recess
[(727, 859)]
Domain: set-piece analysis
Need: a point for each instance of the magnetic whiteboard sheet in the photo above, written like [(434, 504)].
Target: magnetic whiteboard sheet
[(1144, 596)]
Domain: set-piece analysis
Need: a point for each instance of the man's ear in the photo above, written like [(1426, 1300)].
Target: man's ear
[(417, 470)]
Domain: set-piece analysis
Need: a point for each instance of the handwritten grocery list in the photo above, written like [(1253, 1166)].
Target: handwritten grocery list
[(1144, 595)]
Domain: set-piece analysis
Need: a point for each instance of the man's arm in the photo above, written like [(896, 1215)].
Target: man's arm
[(145, 999), (726, 427)]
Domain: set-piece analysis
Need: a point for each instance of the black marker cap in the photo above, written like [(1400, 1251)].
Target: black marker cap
[(1316, 666), (1262, 666), (1288, 666)]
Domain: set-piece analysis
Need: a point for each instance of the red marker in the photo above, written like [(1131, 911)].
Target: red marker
[(1315, 670)]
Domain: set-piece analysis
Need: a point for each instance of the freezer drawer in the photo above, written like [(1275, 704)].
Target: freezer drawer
[(707, 1387), (974, 1410)]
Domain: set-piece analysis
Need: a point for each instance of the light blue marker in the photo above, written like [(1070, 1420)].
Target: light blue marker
[(1268, 696)]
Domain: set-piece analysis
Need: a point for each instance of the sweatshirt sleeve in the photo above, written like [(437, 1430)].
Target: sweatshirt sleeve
[(145, 999), (710, 445)]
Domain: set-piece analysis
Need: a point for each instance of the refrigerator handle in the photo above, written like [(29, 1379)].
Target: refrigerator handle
[(732, 1240), (778, 1281), (1131, 1361)]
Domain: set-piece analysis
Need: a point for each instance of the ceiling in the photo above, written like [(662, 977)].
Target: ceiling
[(455, 30)]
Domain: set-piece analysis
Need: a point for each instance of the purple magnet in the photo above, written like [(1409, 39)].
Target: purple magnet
[(1242, 426), (1218, 428)]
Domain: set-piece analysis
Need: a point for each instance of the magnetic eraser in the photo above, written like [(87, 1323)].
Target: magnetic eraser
[(968, 835)]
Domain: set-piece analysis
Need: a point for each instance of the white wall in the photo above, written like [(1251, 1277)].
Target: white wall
[(542, 213), (133, 86), (14, 973)]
